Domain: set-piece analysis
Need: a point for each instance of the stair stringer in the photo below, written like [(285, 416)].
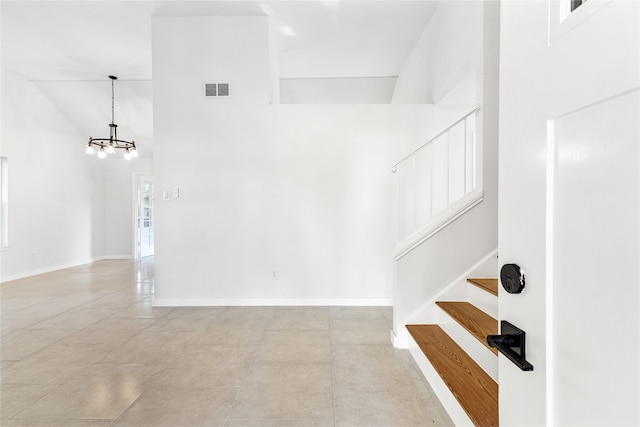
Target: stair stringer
[(440, 388)]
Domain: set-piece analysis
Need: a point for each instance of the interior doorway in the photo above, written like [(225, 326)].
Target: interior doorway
[(144, 216)]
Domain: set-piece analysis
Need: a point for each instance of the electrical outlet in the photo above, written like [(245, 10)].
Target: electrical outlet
[(275, 274), (176, 192), (165, 195)]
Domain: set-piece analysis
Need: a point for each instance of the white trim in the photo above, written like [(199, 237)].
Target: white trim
[(549, 286), (400, 340), (4, 201), (134, 222), (439, 222), (49, 269), (225, 302), (118, 257)]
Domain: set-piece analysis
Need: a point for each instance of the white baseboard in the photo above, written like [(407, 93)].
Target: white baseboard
[(223, 302), (400, 340), (30, 273), (117, 257)]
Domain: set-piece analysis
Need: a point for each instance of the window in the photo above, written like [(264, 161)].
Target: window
[(570, 14), (576, 3), (567, 7), (4, 202)]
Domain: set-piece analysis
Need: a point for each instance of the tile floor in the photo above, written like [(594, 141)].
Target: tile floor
[(84, 347)]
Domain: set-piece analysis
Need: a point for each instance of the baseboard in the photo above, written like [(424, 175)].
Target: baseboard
[(39, 271), (224, 302), (117, 257), (400, 340)]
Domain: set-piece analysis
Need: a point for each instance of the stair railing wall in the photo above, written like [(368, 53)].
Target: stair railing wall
[(438, 182)]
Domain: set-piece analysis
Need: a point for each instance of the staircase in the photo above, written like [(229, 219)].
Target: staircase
[(455, 357)]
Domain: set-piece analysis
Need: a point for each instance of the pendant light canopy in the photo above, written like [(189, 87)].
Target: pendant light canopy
[(104, 146)]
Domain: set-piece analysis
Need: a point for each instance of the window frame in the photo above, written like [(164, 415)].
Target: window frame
[(4, 203)]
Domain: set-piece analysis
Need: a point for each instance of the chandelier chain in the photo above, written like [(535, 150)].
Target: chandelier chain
[(113, 120)]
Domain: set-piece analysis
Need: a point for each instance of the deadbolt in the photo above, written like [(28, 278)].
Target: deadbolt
[(512, 278)]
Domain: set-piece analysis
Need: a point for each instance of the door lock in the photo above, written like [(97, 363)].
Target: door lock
[(512, 278)]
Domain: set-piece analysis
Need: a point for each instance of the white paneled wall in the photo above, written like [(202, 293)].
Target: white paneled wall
[(436, 178)]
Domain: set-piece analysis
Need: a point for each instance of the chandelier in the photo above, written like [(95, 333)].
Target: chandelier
[(109, 145)]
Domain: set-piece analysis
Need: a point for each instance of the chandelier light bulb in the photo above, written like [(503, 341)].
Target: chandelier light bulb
[(110, 149), (134, 152), (127, 155), (90, 150), (102, 154)]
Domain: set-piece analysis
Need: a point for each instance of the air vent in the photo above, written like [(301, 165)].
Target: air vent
[(217, 89)]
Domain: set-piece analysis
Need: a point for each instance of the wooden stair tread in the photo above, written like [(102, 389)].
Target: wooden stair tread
[(476, 392), (475, 321), (489, 285)]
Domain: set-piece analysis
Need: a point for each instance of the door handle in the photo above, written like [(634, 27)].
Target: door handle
[(511, 343)]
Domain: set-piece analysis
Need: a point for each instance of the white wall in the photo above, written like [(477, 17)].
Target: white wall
[(461, 40), (347, 90), (65, 208), (119, 204), (56, 193), (306, 190), (449, 49)]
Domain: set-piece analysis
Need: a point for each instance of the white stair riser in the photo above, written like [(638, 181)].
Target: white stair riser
[(484, 357), (483, 300)]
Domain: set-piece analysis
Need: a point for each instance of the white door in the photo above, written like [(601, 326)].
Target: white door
[(569, 210), (144, 216)]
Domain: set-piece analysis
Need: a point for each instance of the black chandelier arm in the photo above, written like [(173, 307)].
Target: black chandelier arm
[(117, 143)]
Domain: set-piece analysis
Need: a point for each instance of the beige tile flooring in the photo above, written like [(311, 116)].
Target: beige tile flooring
[(84, 347)]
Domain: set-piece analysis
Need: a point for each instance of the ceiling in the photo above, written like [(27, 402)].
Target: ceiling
[(68, 48)]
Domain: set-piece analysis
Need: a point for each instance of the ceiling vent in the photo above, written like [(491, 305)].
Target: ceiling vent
[(219, 90)]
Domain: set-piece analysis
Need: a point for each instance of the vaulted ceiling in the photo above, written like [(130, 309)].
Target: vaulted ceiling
[(68, 48)]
